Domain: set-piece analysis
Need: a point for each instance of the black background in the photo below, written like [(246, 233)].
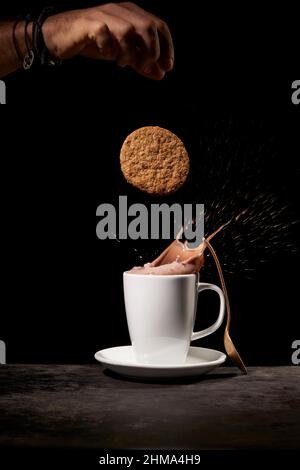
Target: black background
[(62, 287)]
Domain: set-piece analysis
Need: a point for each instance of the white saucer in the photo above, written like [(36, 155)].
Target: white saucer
[(122, 360)]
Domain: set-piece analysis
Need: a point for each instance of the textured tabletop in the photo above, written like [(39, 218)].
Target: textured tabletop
[(83, 406)]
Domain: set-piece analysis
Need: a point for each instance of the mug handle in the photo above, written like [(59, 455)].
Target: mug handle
[(201, 334)]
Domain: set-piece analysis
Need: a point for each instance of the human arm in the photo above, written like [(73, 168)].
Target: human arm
[(121, 32), (9, 60)]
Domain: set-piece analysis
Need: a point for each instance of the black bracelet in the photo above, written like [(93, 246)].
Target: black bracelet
[(18, 50), (28, 59), (38, 39), (29, 56), (39, 49)]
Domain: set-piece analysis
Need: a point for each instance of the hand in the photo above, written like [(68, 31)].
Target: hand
[(121, 32)]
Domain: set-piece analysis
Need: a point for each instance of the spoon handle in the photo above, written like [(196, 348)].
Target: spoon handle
[(228, 344)]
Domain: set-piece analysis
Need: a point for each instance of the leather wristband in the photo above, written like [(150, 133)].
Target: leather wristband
[(39, 45)]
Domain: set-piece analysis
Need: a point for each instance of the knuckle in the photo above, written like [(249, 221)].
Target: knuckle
[(100, 29), (97, 30), (127, 4), (109, 5), (126, 31), (162, 25)]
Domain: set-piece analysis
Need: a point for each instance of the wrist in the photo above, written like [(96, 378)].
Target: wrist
[(29, 41), (43, 37), (48, 30)]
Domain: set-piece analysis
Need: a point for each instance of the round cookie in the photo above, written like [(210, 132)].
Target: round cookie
[(154, 160)]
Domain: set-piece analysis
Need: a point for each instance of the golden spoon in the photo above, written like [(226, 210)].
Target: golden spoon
[(229, 346)]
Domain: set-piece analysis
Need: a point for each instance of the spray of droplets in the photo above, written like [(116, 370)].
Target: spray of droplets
[(259, 234), (242, 180)]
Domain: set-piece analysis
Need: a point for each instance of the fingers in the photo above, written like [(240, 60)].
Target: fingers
[(166, 58), (154, 72), (128, 52), (123, 33), (143, 38), (102, 44), (130, 36)]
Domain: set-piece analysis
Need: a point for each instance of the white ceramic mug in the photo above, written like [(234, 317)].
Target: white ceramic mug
[(161, 313)]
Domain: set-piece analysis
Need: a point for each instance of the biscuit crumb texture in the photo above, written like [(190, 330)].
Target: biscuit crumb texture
[(154, 160)]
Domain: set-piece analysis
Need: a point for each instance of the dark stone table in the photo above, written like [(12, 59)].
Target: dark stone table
[(83, 406)]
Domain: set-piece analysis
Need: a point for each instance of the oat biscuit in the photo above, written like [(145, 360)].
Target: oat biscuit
[(154, 160)]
